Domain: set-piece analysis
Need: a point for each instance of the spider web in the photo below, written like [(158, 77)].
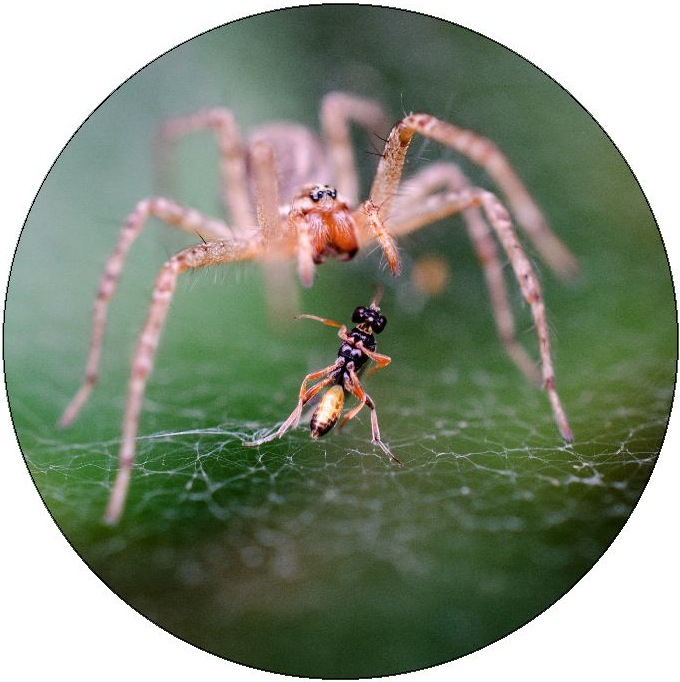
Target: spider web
[(183, 472), (489, 510), (488, 523)]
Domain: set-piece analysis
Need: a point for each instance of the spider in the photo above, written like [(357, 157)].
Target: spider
[(357, 347), (293, 195)]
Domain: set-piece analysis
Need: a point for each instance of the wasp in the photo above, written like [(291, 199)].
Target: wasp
[(342, 378)]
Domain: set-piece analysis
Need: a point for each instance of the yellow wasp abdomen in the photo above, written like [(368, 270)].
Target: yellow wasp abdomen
[(328, 411)]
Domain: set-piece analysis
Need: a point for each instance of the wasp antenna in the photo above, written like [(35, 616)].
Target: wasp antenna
[(376, 298)]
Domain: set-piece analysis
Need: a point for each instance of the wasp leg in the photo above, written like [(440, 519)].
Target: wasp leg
[(306, 395), (353, 385)]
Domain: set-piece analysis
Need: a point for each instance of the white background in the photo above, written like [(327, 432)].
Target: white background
[(60, 60)]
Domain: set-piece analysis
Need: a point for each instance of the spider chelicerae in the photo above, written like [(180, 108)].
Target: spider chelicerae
[(292, 194)]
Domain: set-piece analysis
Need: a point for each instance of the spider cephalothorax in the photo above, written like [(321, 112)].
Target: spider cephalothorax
[(302, 193), (326, 228)]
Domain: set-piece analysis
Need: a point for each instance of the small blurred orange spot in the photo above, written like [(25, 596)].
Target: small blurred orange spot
[(430, 274)]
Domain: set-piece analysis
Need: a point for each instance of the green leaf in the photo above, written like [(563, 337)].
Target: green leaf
[(323, 559)]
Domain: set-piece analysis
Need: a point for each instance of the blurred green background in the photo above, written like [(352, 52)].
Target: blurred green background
[(320, 558)]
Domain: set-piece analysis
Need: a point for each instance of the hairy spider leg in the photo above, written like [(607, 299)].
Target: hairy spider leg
[(353, 385), (486, 154), (338, 109), (417, 205), (448, 204), (198, 256), (267, 198), (305, 250), (369, 218), (279, 277), (232, 159), (173, 214)]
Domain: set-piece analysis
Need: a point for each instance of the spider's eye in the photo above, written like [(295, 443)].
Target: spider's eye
[(319, 192)]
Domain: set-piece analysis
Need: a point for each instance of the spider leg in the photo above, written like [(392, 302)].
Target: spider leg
[(499, 219), (353, 386), (244, 170), (305, 249), (232, 153), (337, 110), (483, 152), (372, 224), (279, 278), (201, 255), (531, 290), (173, 214), (198, 256), (326, 376), (266, 189), (419, 192)]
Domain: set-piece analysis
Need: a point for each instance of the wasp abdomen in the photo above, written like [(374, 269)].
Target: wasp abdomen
[(328, 411)]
